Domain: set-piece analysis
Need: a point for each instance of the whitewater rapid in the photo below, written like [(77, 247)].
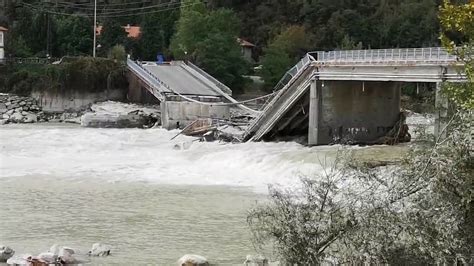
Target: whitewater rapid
[(136, 155)]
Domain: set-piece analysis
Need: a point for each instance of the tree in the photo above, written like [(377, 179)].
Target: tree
[(192, 29), (457, 36), (157, 30), (283, 52), (112, 34), (275, 63), (74, 36), (117, 53), (210, 40)]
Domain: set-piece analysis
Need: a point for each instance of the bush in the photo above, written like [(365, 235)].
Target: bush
[(83, 74), (117, 53), (420, 212)]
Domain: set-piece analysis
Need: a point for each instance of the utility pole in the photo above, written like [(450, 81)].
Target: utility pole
[(95, 27)]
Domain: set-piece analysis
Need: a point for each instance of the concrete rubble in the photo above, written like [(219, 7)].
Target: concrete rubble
[(121, 115)]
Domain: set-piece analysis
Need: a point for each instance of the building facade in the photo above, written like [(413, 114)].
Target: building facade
[(3, 31)]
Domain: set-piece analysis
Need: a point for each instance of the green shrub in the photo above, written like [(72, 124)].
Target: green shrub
[(83, 74)]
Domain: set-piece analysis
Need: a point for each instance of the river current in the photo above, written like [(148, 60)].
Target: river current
[(153, 199)]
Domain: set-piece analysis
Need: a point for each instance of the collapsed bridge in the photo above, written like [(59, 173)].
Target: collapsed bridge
[(328, 96), (185, 92), (352, 95)]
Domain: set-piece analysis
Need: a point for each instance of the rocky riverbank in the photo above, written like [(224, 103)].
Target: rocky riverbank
[(17, 109), (57, 255)]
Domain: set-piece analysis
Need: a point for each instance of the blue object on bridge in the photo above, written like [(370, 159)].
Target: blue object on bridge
[(160, 58)]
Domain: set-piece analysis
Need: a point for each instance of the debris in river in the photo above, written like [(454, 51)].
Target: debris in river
[(19, 260), (257, 260), (398, 134), (5, 253), (193, 260), (100, 250)]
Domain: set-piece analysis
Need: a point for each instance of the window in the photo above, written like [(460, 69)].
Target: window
[(1, 38)]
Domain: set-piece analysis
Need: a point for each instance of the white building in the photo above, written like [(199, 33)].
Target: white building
[(2, 43)]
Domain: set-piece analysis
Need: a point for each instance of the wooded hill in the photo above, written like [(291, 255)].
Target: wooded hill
[(283, 30)]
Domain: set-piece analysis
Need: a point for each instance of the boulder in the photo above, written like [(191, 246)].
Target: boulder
[(257, 260), (65, 256), (30, 118), (19, 260), (3, 121), (47, 257), (16, 118), (22, 103), (5, 253), (3, 108), (10, 112), (193, 260), (99, 250), (6, 116)]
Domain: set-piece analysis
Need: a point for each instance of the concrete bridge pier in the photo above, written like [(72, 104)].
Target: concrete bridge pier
[(314, 104), (357, 111)]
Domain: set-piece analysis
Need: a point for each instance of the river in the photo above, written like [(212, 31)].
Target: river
[(152, 199)]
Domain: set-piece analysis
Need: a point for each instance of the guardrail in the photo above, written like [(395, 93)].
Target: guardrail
[(377, 56), (219, 84), (290, 75), (149, 77), (302, 64)]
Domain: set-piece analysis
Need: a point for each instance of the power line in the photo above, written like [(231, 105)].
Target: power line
[(106, 15), (100, 5), (121, 10)]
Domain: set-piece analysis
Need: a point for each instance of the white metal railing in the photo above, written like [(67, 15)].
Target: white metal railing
[(377, 56), (219, 84), (155, 83), (300, 66), (285, 82)]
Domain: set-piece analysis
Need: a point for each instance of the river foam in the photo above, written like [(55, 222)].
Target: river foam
[(149, 155)]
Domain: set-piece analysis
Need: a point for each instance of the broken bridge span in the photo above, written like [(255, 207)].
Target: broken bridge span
[(328, 96), (353, 95)]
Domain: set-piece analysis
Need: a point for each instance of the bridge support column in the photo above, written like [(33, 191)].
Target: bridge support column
[(441, 104), (314, 113)]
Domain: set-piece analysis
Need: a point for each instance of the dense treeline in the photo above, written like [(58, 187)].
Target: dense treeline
[(283, 30)]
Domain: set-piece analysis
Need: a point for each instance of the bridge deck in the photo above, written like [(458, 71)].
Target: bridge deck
[(181, 80)]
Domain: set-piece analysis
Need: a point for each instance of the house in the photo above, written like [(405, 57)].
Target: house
[(247, 49), (2, 43), (133, 32)]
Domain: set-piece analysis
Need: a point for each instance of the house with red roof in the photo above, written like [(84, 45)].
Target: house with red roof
[(247, 49), (133, 32)]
